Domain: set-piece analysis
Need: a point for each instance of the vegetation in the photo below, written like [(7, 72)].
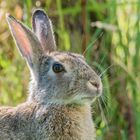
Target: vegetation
[(107, 32)]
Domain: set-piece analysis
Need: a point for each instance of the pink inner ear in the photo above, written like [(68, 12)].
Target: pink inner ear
[(21, 38)]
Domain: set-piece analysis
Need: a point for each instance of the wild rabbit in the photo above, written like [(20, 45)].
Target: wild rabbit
[(62, 88)]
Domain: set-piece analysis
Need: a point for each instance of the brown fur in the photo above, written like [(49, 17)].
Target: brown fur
[(31, 121)]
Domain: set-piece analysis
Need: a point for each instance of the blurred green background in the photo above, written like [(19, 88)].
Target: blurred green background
[(107, 32)]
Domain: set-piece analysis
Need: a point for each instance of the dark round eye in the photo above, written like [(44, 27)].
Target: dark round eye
[(58, 68)]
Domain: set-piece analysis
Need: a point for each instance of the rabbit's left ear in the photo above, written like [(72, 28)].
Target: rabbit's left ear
[(27, 42), (42, 27)]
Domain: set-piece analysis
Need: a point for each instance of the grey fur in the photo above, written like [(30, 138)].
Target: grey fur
[(58, 106)]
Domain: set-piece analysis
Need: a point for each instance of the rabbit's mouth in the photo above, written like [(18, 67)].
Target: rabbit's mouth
[(92, 91), (89, 98)]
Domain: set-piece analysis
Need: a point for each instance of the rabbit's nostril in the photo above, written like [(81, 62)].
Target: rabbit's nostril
[(95, 84)]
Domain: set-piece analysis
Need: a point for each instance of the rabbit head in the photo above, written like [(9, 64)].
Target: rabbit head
[(57, 77)]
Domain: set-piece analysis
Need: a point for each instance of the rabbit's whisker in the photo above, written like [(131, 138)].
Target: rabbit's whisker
[(103, 114)]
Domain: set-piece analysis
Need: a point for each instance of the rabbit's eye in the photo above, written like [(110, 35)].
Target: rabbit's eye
[(58, 68)]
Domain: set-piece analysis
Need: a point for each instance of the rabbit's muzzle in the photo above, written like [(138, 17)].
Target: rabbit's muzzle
[(95, 87)]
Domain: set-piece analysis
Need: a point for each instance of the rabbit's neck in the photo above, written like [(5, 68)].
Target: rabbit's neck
[(68, 121)]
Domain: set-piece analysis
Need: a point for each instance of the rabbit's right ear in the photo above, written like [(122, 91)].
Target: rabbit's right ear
[(42, 27), (27, 42)]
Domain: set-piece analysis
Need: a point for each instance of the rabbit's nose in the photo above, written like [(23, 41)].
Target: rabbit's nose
[(95, 84)]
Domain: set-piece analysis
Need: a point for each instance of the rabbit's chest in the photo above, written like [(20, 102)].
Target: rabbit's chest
[(61, 126)]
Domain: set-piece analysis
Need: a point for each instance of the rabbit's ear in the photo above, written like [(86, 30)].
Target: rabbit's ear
[(42, 27), (27, 42)]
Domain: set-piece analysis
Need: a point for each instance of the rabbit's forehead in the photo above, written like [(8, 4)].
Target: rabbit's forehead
[(71, 60), (65, 57)]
